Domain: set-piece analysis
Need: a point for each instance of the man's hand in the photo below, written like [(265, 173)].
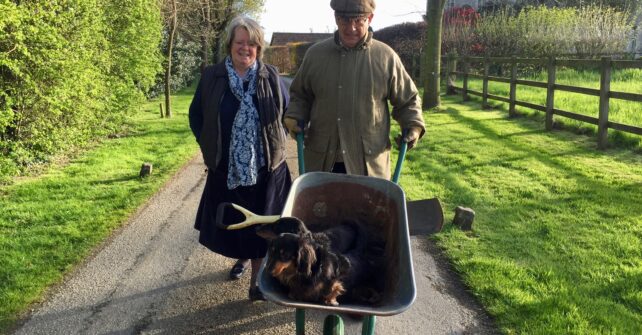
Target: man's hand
[(292, 125), (412, 136)]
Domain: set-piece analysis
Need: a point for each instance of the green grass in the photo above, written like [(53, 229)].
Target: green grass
[(557, 241), (48, 224), (621, 111)]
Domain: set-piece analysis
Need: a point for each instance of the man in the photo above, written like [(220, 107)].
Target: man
[(341, 94)]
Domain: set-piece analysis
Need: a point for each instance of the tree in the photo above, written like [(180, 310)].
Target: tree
[(171, 20), (204, 22), (223, 12), (431, 58)]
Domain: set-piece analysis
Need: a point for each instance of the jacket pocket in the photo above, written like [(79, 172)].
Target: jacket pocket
[(375, 144), (317, 142)]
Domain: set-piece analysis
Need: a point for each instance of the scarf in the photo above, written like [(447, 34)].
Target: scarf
[(246, 149)]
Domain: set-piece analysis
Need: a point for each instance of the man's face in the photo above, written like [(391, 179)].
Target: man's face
[(352, 29)]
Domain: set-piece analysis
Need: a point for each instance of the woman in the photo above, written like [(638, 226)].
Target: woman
[(236, 117)]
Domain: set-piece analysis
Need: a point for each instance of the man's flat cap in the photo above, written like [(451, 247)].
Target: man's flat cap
[(352, 7)]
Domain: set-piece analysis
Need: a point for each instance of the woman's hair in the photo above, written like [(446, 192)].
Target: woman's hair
[(252, 27)]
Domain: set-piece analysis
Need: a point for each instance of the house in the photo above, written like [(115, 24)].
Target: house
[(287, 38)]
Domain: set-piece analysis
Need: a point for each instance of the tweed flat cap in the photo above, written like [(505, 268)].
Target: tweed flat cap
[(352, 7)]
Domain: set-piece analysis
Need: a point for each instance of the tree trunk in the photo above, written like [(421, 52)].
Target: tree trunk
[(168, 68), (216, 52), (204, 52), (431, 59)]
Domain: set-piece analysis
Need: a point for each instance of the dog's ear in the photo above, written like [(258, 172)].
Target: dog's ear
[(301, 228), (270, 231), (292, 225), (266, 232), (344, 265), (331, 265), (306, 258)]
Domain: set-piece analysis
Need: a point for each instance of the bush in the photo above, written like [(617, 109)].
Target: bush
[(279, 56), (407, 40), (70, 70), (287, 58), (186, 61), (458, 33), (541, 31)]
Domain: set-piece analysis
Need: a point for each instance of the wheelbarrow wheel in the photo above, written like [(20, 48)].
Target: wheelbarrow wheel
[(333, 325)]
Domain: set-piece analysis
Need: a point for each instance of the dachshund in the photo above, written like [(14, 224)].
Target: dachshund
[(313, 270), (338, 238), (309, 271), (362, 275)]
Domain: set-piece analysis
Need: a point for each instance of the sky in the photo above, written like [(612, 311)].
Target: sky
[(304, 16)]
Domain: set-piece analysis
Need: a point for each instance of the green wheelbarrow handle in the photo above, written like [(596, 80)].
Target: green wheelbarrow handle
[(299, 148), (403, 147)]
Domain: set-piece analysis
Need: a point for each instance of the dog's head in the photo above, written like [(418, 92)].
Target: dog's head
[(290, 254), (283, 225), (322, 281)]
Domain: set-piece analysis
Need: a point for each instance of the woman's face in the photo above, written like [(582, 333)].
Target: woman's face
[(243, 49)]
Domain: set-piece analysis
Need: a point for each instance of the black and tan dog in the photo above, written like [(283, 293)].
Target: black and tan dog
[(307, 268), (322, 266)]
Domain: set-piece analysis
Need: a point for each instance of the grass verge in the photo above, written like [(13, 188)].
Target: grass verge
[(620, 111), (50, 223), (557, 241)]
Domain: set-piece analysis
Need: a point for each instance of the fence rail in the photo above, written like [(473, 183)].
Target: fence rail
[(606, 65)]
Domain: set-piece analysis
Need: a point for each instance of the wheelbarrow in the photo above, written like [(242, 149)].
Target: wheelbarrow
[(322, 198)]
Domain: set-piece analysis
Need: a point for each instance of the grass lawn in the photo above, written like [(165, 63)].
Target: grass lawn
[(620, 111), (557, 241), (50, 223)]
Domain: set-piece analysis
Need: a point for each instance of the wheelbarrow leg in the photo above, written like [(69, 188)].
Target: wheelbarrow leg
[(368, 326), (333, 325), (300, 321)]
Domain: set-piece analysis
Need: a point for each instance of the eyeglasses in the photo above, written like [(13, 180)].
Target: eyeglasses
[(358, 21)]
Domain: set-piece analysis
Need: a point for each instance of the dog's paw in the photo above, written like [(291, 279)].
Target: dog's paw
[(331, 302)]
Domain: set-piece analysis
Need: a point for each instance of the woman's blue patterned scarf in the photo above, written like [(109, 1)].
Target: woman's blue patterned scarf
[(246, 149)]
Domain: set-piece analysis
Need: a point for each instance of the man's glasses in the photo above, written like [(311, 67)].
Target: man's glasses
[(358, 21)]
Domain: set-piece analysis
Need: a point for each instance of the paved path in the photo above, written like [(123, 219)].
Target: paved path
[(152, 277)]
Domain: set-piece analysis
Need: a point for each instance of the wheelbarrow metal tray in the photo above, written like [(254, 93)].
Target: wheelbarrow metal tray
[(321, 199)]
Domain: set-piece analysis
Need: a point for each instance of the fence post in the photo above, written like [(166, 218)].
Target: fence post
[(550, 93), (485, 84), (513, 87), (605, 88), (464, 91), (451, 77)]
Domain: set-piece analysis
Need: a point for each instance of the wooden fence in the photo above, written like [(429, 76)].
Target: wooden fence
[(606, 65)]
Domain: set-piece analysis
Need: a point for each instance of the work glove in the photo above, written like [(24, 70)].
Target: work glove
[(412, 136), (292, 125)]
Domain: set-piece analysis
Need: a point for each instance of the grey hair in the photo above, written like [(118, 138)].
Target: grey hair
[(253, 28)]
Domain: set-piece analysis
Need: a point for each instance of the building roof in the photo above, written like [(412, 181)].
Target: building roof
[(287, 38)]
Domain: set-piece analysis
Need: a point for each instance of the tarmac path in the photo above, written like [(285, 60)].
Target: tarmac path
[(153, 277)]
